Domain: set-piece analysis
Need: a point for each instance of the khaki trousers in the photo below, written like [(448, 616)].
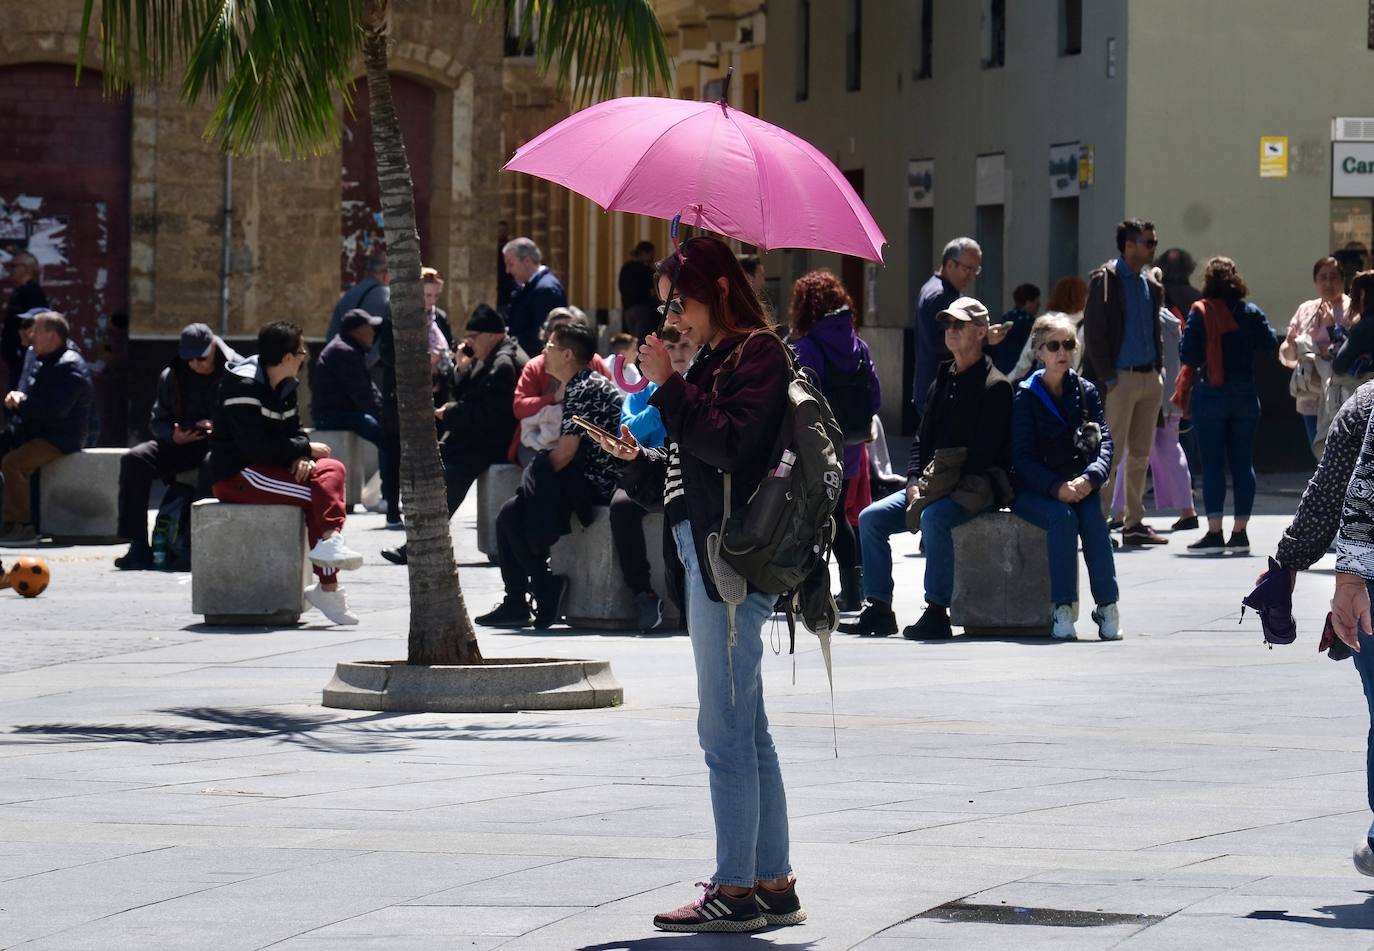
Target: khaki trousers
[(1132, 410), (18, 465)]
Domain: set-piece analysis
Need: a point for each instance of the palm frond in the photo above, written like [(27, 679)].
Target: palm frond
[(590, 44), (275, 68)]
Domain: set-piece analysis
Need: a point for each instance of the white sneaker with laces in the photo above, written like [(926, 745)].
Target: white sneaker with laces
[(1364, 859), (1063, 623), (1108, 620), (332, 553), (332, 604)]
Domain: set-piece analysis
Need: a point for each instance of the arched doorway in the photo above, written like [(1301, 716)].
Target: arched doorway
[(361, 211)]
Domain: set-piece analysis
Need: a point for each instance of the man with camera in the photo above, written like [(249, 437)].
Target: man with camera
[(964, 432), (478, 422)]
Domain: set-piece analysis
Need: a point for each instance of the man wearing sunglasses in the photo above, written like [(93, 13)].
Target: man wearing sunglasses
[(1124, 357)]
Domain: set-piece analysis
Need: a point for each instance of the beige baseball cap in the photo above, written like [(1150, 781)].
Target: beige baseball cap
[(966, 310)]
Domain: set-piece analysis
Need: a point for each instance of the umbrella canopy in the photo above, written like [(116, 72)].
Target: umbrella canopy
[(720, 169)]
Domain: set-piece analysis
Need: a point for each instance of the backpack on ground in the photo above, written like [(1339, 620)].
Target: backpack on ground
[(850, 396)]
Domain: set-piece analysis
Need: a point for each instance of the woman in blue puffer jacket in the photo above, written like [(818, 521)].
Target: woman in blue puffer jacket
[(1061, 453)]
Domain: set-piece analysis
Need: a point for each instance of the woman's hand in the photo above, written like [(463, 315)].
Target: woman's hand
[(654, 361), (1350, 609), (626, 450)]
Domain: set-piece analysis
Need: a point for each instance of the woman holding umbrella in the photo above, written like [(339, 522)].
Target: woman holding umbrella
[(722, 416)]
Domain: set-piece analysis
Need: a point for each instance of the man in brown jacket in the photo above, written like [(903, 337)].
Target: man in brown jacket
[(1123, 356)]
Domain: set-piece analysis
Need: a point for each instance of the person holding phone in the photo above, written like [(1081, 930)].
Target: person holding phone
[(180, 424), (722, 415)]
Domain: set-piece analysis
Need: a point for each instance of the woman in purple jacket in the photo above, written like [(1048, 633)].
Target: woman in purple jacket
[(823, 332)]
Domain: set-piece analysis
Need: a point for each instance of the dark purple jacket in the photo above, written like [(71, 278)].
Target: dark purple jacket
[(832, 340)]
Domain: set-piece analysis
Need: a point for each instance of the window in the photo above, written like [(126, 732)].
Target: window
[(515, 25), (853, 45), (1070, 27), (993, 30), (803, 49), (922, 45)]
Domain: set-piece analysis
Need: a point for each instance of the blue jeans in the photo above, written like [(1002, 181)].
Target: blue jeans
[(1364, 663), (877, 523), (747, 796), (939, 519), (1226, 418), (367, 426), (1309, 425), (1064, 524)]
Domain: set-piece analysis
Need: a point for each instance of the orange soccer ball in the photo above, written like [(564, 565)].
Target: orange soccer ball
[(29, 576)]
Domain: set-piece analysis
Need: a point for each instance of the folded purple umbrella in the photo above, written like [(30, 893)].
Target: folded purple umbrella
[(1272, 600)]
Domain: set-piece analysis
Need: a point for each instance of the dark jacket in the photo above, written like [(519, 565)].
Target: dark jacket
[(185, 397), (1253, 334), (23, 299), (255, 424), (832, 340), (57, 404), (341, 382), (1042, 435), (530, 304), (369, 294), (1104, 323), (929, 337), (722, 421), (479, 416), (970, 409)]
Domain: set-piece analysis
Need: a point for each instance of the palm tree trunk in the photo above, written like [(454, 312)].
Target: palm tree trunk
[(440, 630)]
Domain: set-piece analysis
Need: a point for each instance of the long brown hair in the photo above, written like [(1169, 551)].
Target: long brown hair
[(1068, 296), (1221, 278), (695, 270), (815, 294)]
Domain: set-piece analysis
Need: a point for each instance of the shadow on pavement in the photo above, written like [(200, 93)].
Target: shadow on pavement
[(1356, 917), (683, 942)]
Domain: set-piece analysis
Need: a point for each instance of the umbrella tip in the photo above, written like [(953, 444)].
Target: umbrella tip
[(725, 91)]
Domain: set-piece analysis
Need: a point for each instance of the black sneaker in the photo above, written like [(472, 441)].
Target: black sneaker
[(548, 594), (714, 911), (1239, 543), (933, 626), (876, 620), (1185, 523), (1142, 534), (1115, 525), (1210, 544), (511, 612), (781, 907), (648, 611), (397, 555), (137, 558)]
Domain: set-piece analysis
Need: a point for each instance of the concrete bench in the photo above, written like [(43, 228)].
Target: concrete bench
[(494, 488), (597, 596), (250, 563), (1001, 577), (79, 496), (358, 456)]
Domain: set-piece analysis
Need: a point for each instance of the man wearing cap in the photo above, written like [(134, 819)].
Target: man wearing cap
[(968, 406), (49, 415), (187, 391), (478, 422), (26, 298)]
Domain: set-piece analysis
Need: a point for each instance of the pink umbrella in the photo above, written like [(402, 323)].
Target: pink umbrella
[(720, 169)]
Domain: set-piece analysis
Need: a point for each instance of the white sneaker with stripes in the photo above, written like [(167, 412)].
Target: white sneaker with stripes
[(331, 553), (332, 604)]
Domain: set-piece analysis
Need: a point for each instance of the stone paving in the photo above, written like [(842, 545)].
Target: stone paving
[(168, 785)]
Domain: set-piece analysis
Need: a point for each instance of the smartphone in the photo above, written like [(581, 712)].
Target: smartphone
[(596, 430), (1008, 324), (204, 427)]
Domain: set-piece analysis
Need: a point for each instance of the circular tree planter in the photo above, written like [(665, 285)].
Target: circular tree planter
[(494, 686)]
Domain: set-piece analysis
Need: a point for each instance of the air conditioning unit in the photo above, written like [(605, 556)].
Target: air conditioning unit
[(1352, 129)]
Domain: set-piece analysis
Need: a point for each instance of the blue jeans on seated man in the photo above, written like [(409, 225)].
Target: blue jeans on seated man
[(887, 517), (1064, 524), (370, 428)]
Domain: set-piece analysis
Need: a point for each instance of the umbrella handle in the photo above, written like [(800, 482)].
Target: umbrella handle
[(618, 374)]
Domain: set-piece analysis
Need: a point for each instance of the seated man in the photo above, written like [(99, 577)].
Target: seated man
[(570, 478), (968, 407), (187, 392), (259, 455), (343, 394), (536, 390), (477, 422), (49, 414)]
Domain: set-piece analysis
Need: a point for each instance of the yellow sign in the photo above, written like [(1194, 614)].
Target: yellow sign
[(1273, 156)]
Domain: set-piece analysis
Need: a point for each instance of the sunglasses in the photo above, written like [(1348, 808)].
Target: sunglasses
[(1053, 346), (1152, 243), (674, 305), (949, 323)]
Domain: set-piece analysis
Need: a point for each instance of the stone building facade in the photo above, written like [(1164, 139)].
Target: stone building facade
[(123, 199)]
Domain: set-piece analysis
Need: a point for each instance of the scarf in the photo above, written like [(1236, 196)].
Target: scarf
[(1218, 321)]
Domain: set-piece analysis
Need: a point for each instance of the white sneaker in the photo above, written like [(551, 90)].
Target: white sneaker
[(332, 553), (1108, 620), (1364, 859), (332, 604), (1063, 623)]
